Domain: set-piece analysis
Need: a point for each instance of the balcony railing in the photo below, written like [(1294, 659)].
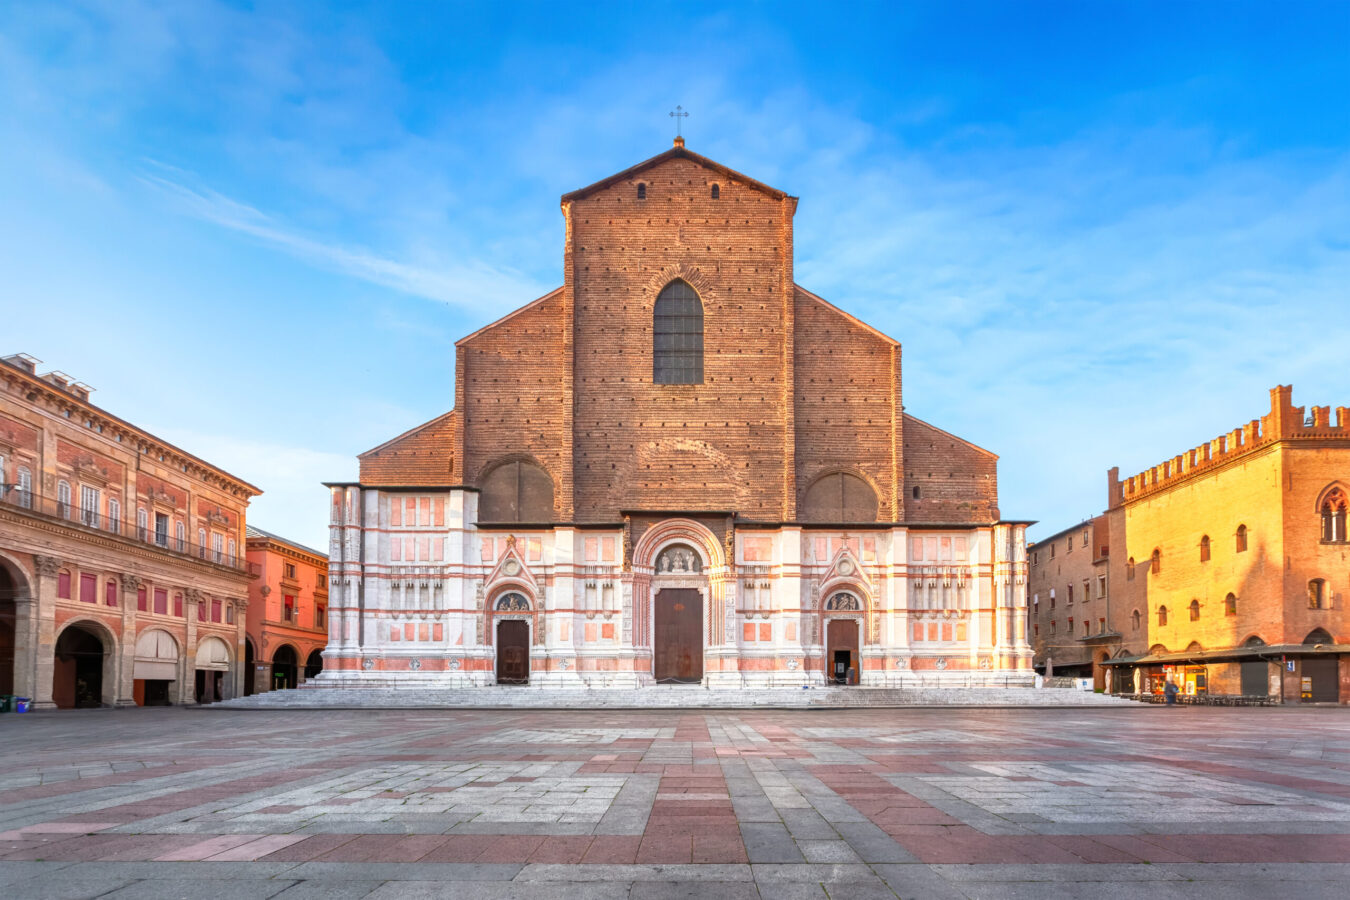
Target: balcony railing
[(13, 496)]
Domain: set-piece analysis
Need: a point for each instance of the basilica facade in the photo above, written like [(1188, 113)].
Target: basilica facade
[(678, 467)]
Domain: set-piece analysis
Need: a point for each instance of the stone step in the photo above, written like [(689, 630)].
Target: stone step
[(420, 696)]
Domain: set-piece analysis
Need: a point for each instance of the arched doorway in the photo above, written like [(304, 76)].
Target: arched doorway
[(250, 662), (284, 664), (313, 664), (77, 677), (155, 668), (10, 588), (677, 632), (213, 669), (513, 651), (841, 653), (1099, 671)]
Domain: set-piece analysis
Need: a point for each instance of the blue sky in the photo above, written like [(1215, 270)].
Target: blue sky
[(1100, 230)]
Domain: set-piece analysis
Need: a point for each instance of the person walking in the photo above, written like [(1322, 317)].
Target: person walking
[(1170, 692)]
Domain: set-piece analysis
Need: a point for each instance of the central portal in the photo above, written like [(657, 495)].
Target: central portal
[(513, 652), (678, 636)]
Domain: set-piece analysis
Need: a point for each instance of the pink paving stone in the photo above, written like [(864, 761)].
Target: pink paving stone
[(665, 849), (612, 850), (68, 827), (561, 849), (510, 849), (207, 848), (310, 847), (258, 849), (605, 757)]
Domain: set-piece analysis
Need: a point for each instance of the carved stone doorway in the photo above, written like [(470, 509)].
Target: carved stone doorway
[(513, 651), (678, 636), (841, 657)]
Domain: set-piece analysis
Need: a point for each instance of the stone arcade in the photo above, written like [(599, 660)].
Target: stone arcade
[(677, 467)]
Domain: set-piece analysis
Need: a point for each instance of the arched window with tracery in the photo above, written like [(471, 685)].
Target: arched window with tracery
[(677, 335), (1333, 515)]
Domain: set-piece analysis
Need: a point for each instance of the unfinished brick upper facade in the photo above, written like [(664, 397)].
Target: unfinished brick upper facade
[(561, 435)]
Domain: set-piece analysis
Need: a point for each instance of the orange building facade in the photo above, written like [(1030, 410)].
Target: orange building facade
[(287, 613), (122, 574), (1225, 569), (678, 466)]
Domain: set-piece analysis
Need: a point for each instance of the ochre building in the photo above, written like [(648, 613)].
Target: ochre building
[(122, 573), (287, 613), (679, 466), (1227, 568)]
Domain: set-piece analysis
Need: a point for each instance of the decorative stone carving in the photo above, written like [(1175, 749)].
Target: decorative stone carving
[(845, 567), (843, 601), (131, 582), (454, 665), (511, 567), (267, 589), (47, 565), (942, 662), (367, 663), (513, 602), (792, 665), (195, 596), (414, 664), (679, 559), (628, 543)]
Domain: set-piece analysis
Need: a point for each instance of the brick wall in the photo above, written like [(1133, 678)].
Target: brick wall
[(422, 456), (957, 481)]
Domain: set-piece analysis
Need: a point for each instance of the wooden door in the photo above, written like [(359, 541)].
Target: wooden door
[(842, 647), (678, 636), (513, 652)]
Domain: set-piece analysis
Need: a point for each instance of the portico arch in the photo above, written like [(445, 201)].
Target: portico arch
[(84, 674), (15, 589)]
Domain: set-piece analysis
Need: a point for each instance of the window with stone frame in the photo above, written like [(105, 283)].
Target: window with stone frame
[(1162, 615), (1195, 610), (677, 335), (1240, 539), (1204, 548), (1230, 605), (1333, 510), (1317, 589)]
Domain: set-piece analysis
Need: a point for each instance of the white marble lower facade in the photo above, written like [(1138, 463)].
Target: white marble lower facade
[(419, 594)]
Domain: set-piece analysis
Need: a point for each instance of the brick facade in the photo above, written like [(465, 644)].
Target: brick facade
[(1237, 529), (287, 612), (122, 572), (789, 469)]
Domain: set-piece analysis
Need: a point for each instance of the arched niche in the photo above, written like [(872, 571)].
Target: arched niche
[(839, 497), (516, 490)]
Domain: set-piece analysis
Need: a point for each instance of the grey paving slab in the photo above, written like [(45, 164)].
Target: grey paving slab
[(768, 842), (694, 890), (329, 890), (197, 889), (54, 887), (438, 890), (673, 872)]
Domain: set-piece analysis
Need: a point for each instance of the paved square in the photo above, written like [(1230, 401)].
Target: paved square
[(1044, 803)]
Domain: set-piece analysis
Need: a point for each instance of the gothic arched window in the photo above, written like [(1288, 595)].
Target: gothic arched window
[(1162, 615), (1241, 538), (1195, 610), (1230, 605), (677, 335), (1204, 549), (1156, 565), (1333, 515)]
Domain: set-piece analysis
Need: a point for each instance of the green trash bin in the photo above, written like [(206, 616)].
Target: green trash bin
[(6, 703)]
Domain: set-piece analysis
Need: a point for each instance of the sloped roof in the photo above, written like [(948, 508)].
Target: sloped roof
[(411, 431), (677, 152), (917, 421), (253, 531)]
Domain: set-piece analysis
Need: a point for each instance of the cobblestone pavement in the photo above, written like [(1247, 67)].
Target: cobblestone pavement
[(963, 803)]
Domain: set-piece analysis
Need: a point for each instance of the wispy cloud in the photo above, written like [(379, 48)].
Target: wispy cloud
[(463, 283)]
